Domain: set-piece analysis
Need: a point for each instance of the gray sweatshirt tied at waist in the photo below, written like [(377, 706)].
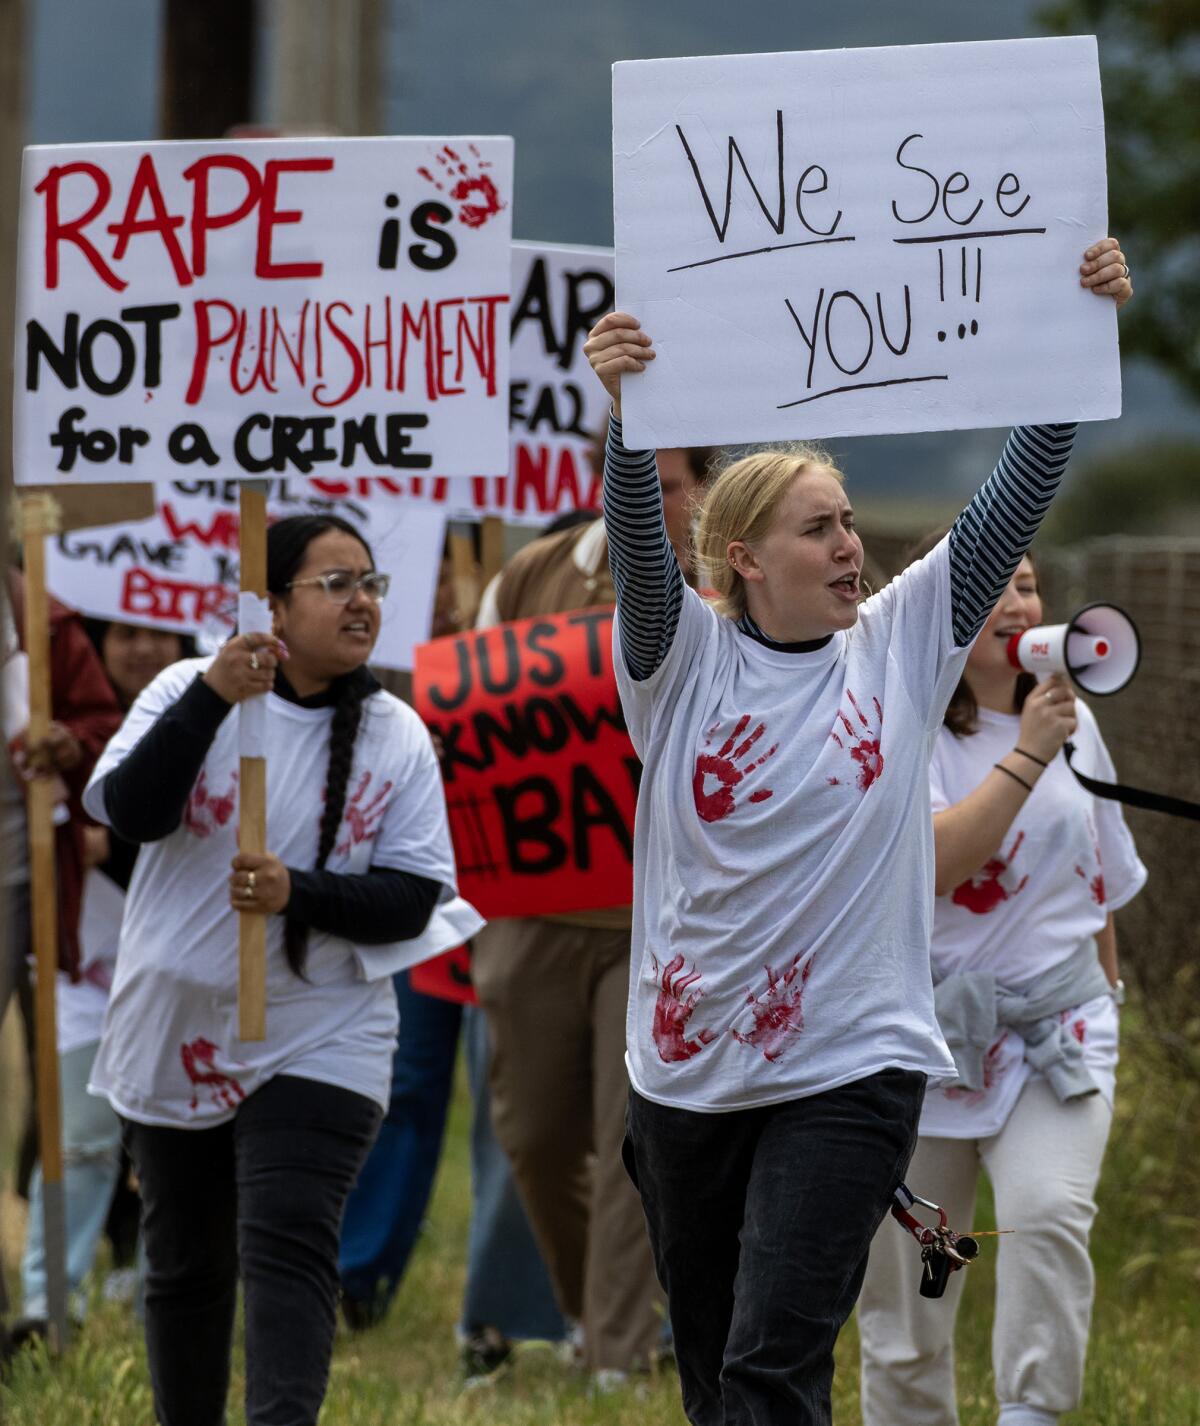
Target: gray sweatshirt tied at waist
[(972, 1005)]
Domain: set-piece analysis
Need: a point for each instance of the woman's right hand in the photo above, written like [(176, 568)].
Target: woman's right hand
[(1048, 718), (245, 667), (616, 344)]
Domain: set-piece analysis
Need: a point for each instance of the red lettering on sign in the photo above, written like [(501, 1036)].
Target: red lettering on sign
[(170, 601), (145, 212), (58, 231), (145, 185), (270, 217)]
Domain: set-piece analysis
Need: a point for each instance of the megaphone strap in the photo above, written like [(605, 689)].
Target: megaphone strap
[(1133, 796)]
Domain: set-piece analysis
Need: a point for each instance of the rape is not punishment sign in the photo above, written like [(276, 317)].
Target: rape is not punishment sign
[(862, 241), (309, 307)]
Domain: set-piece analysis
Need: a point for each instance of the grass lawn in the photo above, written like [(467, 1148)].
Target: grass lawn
[(1143, 1369)]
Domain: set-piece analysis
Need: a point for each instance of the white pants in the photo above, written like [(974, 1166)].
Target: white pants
[(1044, 1165)]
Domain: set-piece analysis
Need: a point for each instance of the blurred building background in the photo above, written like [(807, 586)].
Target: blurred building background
[(139, 69)]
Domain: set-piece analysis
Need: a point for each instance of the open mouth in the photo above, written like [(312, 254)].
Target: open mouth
[(846, 586), (356, 626), (1010, 631)]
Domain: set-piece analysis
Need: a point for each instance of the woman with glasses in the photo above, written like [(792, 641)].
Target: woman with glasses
[(246, 1151)]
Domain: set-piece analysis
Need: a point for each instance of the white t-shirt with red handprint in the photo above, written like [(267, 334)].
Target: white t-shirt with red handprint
[(170, 1052), (1067, 861), (783, 853)]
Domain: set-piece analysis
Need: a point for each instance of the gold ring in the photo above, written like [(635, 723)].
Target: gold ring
[(250, 882)]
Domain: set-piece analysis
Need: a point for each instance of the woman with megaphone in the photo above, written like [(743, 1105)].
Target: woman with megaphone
[(1029, 868), (781, 1022)]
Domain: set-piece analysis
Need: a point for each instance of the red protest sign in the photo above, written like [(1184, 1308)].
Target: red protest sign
[(541, 778), (447, 977)]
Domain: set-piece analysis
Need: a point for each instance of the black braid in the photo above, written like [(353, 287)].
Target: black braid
[(287, 543), (343, 730)]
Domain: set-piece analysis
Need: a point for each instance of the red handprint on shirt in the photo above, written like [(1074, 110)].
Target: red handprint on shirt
[(1095, 884), (863, 744), (204, 813), (1078, 1027), (361, 819), (991, 884), (778, 1010), (197, 1057), (993, 1070), (475, 191), (672, 1013), (717, 774)]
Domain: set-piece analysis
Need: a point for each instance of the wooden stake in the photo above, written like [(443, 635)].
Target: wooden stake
[(39, 518), (252, 787), (466, 573), (493, 547)]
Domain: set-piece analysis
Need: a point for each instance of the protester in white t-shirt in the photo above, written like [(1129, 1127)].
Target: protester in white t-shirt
[(781, 1025), (245, 1152), (1030, 868)]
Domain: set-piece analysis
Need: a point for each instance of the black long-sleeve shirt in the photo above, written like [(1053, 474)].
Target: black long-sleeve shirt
[(145, 798)]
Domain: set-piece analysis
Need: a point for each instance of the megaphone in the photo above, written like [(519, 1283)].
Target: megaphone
[(1099, 648)]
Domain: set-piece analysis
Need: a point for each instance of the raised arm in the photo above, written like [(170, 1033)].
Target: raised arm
[(997, 527), (645, 572)]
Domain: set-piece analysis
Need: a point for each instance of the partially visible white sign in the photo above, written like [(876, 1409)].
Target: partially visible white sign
[(556, 405), (851, 242), (179, 570)]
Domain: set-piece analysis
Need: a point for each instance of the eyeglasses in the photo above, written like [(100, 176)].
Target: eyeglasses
[(341, 586)]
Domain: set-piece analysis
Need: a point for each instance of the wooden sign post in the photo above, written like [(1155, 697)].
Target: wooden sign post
[(39, 516), (252, 775)]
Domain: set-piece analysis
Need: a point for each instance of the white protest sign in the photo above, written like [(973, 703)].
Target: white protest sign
[(179, 569), (279, 307), (556, 405), (862, 241)]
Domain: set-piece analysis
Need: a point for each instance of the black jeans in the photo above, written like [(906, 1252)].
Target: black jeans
[(265, 1190), (760, 1221)]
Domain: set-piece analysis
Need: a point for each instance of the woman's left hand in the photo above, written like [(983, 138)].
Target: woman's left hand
[(1106, 272), (259, 882)]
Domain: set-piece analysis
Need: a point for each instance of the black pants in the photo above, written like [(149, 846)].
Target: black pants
[(265, 1190), (760, 1221)]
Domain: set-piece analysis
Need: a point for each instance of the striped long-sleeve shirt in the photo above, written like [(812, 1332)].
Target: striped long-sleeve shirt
[(987, 540)]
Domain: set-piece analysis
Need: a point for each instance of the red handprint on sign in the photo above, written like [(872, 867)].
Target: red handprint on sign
[(204, 813), (991, 884), (361, 819), (717, 774), (864, 745), (672, 1013), (197, 1057), (475, 191), (778, 1010)]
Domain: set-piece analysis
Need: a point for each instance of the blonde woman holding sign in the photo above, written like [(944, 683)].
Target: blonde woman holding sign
[(781, 1026), (245, 1152)]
